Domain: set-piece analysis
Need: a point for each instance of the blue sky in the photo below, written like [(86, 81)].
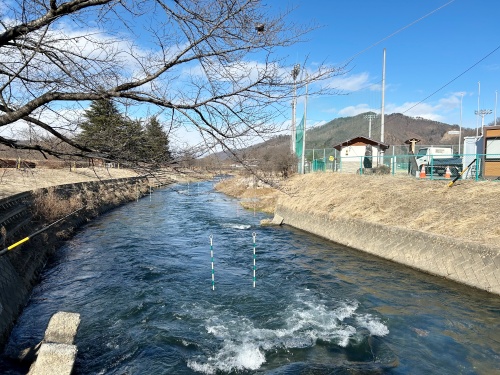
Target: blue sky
[(436, 53), (444, 51)]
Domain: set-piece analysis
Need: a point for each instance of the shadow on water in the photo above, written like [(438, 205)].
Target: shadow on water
[(140, 277)]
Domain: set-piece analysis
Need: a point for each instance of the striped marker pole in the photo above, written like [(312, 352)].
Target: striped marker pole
[(212, 256), (254, 235)]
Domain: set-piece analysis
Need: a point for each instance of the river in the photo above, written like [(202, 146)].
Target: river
[(141, 278)]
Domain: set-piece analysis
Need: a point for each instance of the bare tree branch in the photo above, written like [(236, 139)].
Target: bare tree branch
[(218, 65)]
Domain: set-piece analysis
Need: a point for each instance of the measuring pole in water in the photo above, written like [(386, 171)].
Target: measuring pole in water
[(254, 235), (212, 256)]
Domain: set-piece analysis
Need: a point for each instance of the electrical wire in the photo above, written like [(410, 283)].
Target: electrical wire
[(454, 79), (399, 30)]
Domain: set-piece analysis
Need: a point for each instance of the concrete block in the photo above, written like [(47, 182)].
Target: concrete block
[(54, 359), (494, 282), (277, 219), (62, 328), (496, 260)]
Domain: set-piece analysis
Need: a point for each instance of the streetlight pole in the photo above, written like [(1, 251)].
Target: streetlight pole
[(383, 101), (496, 102), (370, 117), (382, 109), (478, 96), (482, 113), (460, 130)]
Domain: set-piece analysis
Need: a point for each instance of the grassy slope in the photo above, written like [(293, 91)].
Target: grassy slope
[(468, 209), (13, 181)]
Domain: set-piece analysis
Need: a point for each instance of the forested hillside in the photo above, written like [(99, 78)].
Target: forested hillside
[(397, 129)]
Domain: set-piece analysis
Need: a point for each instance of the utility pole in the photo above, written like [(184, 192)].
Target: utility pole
[(295, 74), (370, 117), (304, 134), (476, 112), (382, 108), (482, 113), (460, 130), (496, 102)]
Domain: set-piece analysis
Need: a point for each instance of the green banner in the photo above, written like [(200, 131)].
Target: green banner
[(299, 137)]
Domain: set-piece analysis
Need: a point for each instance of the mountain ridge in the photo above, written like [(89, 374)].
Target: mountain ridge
[(397, 129)]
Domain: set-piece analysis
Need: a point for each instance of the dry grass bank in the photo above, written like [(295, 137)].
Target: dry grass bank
[(252, 193), (13, 181), (467, 210)]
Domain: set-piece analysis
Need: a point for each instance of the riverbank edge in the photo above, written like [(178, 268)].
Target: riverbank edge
[(20, 268), (467, 263)]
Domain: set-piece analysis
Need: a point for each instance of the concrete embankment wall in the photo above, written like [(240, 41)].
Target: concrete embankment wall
[(21, 266), (470, 263)]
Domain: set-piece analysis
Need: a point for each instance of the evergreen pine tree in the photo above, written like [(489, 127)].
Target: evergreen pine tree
[(102, 124), (157, 142), (131, 141), (106, 130)]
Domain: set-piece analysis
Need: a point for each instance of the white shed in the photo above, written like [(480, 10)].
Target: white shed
[(360, 152)]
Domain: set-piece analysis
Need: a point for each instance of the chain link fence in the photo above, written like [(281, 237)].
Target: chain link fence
[(397, 160)]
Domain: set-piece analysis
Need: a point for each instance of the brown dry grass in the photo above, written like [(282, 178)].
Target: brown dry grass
[(13, 181), (253, 195), (49, 205), (468, 209)]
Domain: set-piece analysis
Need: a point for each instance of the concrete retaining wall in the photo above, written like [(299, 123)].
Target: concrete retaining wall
[(466, 263), (21, 266)]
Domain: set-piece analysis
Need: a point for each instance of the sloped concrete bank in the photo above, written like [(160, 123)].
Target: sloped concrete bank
[(467, 263), (21, 266)]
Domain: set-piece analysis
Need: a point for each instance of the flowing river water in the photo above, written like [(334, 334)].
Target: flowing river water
[(141, 278)]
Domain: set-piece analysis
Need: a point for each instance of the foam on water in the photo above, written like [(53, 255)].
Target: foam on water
[(232, 356), (243, 346), (236, 226), (373, 324)]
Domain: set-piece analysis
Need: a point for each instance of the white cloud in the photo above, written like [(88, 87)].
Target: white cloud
[(354, 110), (437, 111), (450, 103), (424, 110), (186, 136), (314, 123), (353, 82), (415, 109)]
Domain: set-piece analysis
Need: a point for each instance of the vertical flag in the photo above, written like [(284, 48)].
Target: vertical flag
[(299, 134)]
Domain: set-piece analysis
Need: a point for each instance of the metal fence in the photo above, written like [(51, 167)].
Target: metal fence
[(469, 166)]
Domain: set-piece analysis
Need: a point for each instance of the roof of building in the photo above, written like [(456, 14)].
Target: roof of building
[(360, 141)]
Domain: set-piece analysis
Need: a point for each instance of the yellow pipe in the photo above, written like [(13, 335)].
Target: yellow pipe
[(18, 243)]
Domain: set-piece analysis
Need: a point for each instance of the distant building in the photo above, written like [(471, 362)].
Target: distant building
[(359, 152)]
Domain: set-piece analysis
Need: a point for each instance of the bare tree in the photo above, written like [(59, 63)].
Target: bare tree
[(217, 65)]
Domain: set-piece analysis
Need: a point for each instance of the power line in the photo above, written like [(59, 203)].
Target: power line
[(449, 82), (454, 79), (390, 36), (401, 29)]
